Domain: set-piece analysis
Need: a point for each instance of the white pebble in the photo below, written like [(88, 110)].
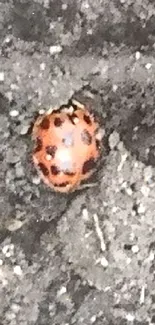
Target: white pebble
[(86, 5), (62, 291), (85, 214), (8, 250), (142, 295), (15, 308), (1, 262), (129, 191), (151, 256), (24, 130), (145, 190), (141, 208), (128, 261), (104, 262), (93, 319), (1, 76), (130, 317), (14, 87), (148, 66), (14, 113), (42, 66), (114, 88), (7, 39), (17, 270), (41, 111), (137, 55), (64, 6), (36, 180), (135, 249), (55, 49)]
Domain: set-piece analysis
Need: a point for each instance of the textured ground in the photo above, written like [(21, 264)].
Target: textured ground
[(87, 258)]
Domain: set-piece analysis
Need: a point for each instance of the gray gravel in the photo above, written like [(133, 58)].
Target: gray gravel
[(88, 257)]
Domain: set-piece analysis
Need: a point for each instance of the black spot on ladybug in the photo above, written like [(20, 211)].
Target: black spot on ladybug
[(64, 184), (39, 145), (87, 119), (68, 173), (51, 150), (58, 122), (88, 166), (72, 118), (55, 170), (86, 137), (43, 169), (98, 144), (45, 124)]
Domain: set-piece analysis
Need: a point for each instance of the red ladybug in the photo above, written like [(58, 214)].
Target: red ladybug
[(67, 146)]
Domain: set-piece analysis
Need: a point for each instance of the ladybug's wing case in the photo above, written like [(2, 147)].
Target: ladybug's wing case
[(66, 147)]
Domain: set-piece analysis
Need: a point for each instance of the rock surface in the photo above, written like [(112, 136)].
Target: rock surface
[(85, 258)]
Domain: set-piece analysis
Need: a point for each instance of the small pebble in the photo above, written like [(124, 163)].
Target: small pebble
[(128, 261), (129, 191), (113, 139), (135, 249), (24, 130), (137, 55), (61, 291), (114, 88), (151, 256), (145, 190), (141, 208), (85, 214), (55, 49), (36, 180), (17, 270), (104, 262), (130, 317), (42, 66), (41, 111), (7, 39), (8, 250), (14, 87), (148, 66), (86, 5), (93, 319), (1, 76), (14, 113), (15, 308), (64, 6)]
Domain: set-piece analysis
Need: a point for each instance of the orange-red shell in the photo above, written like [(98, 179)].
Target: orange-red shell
[(67, 146)]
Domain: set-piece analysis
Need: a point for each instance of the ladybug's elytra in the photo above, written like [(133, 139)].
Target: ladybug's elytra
[(67, 146)]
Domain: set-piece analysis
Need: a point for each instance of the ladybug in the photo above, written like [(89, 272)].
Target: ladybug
[(67, 146)]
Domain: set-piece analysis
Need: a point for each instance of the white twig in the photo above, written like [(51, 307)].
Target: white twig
[(99, 232)]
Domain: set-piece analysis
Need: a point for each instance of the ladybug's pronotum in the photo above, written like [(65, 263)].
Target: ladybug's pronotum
[(67, 146)]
